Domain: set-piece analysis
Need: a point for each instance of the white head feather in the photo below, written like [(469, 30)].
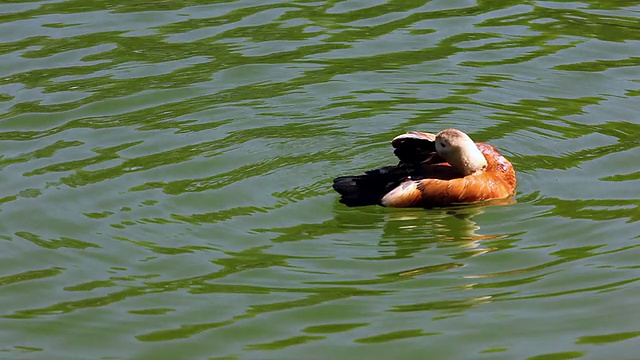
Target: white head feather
[(460, 151)]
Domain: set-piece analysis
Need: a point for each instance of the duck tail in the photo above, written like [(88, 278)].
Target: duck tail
[(367, 189)]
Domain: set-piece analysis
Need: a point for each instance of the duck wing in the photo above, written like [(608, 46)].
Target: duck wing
[(441, 192), (415, 147), (370, 187), (416, 151)]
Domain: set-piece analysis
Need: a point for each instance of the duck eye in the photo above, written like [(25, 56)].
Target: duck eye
[(443, 145)]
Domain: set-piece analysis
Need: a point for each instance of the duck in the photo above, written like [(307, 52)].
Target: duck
[(439, 170)]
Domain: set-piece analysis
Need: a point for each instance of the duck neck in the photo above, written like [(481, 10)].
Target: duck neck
[(470, 160)]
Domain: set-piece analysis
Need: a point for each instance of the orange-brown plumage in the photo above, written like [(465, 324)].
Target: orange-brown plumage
[(424, 178)]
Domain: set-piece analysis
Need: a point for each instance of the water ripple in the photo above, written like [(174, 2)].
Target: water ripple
[(167, 176)]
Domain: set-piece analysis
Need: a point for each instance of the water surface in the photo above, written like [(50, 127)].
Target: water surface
[(167, 176)]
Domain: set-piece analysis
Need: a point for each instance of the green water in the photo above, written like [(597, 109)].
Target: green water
[(166, 180)]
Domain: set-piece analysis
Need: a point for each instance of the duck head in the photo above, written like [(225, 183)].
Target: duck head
[(460, 151)]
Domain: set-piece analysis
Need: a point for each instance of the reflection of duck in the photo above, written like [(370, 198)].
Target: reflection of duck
[(434, 170)]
